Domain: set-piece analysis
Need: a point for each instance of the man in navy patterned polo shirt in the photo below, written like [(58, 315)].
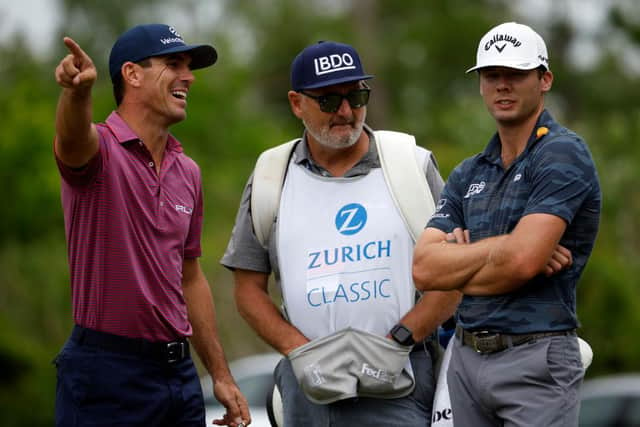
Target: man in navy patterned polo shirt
[(512, 232)]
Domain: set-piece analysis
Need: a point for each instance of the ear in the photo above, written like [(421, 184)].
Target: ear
[(131, 74), (546, 81), (295, 101)]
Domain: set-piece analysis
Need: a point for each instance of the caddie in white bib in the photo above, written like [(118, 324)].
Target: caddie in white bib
[(346, 255)]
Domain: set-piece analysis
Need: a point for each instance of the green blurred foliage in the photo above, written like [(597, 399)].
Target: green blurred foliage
[(418, 51)]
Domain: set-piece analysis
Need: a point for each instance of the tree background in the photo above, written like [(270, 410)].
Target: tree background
[(418, 51)]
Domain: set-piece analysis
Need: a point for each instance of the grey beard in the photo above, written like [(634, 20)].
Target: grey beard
[(325, 139)]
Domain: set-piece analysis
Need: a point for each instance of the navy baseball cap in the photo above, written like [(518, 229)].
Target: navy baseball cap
[(145, 41), (326, 63)]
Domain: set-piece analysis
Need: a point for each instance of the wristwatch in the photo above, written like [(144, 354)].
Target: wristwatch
[(402, 335)]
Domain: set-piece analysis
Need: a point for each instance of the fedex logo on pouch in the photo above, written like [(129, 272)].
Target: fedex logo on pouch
[(379, 374), (333, 63)]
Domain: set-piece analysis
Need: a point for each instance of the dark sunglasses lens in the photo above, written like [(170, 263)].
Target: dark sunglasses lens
[(358, 98), (330, 103)]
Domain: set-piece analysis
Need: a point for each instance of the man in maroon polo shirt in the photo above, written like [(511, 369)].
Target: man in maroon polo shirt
[(133, 212)]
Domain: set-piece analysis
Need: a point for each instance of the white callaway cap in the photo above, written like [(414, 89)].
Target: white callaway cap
[(511, 45)]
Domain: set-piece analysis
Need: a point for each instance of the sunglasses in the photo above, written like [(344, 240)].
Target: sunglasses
[(331, 102)]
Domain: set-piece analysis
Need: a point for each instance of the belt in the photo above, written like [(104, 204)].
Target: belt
[(167, 352), (486, 342)]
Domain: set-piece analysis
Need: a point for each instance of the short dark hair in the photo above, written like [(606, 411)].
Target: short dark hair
[(541, 70), (118, 86)]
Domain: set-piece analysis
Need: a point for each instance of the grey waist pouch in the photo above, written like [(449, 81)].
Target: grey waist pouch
[(352, 363)]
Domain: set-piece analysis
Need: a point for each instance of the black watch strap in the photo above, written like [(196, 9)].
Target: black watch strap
[(402, 335)]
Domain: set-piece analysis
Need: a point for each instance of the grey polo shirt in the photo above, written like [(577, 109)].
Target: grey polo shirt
[(244, 251)]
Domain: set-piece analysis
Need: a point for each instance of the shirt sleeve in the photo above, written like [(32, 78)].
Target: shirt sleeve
[(448, 214), (85, 175), (244, 251), (562, 176)]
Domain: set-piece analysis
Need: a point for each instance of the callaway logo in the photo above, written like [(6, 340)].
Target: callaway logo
[(333, 63), (506, 38), (351, 218), (475, 189)]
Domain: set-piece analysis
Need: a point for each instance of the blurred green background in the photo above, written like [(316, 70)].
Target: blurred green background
[(417, 49)]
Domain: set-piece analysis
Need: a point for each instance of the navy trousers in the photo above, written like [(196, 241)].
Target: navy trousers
[(97, 387)]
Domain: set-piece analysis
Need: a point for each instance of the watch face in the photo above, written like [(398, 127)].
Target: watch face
[(402, 335)]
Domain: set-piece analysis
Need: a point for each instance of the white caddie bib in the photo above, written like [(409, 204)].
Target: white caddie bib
[(345, 254)]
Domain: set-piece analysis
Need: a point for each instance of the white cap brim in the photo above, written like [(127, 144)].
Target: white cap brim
[(518, 65)]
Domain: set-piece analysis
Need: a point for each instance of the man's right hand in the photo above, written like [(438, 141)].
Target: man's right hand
[(76, 70), (76, 137), (228, 393)]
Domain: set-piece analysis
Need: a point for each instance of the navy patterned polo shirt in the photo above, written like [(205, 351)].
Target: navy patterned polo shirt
[(554, 175)]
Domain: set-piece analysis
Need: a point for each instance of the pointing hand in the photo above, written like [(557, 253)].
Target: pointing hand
[(76, 70)]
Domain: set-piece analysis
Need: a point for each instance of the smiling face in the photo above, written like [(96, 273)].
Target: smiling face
[(337, 130), (164, 87), (514, 96)]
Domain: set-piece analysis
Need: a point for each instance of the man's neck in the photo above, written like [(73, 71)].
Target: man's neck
[(514, 138), (154, 135)]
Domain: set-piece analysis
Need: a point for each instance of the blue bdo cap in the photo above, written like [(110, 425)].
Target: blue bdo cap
[(326, 63), (145, 41)]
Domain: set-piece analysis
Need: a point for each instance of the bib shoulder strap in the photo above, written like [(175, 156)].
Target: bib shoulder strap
[(406, 179), (402, 170), (268, 178)]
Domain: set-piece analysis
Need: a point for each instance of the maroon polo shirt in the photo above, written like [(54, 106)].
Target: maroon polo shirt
[(128, 230)]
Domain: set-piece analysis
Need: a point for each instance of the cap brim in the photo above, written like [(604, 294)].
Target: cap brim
[(336, 81), (202, 55), (518, 65)]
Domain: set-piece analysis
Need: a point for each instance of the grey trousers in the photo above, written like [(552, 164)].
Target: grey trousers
[(413, 410), (533, 384)]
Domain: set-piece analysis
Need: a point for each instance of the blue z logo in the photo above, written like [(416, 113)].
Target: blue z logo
[(351, 218)]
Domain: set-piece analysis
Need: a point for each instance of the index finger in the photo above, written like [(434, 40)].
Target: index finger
[(244, 410), (459, 235), (74, 48), (564, 251)]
